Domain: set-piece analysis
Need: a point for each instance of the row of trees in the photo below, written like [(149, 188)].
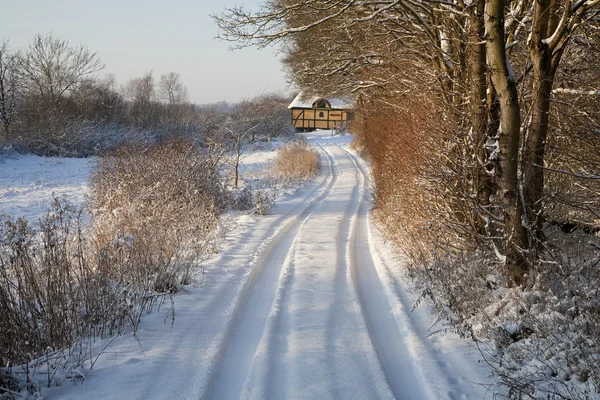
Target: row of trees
[(492, 69), (49, 94)]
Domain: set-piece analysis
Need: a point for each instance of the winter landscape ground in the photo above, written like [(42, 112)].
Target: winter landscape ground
[(306, 302)]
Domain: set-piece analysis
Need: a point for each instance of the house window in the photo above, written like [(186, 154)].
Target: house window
[(321, 114)]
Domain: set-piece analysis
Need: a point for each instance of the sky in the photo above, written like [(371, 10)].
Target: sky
[(133, 37)]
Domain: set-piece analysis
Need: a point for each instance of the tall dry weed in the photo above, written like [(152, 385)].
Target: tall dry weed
[(55, 300), (64, 283), (297, 161)]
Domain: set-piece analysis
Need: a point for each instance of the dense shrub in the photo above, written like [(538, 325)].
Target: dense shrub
[(547, 336), (64, 284), (55, 299), (160, 204), (544, 335), (259, 201)]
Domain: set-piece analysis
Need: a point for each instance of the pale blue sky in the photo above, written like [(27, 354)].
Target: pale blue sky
[(134, 36)]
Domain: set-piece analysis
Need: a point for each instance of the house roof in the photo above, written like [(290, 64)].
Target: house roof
[(336, 103)]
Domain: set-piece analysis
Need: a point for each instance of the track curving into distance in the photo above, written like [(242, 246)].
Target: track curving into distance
[(314, 319), (247, 326)]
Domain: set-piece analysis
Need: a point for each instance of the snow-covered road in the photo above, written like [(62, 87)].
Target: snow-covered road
[(300, 304)]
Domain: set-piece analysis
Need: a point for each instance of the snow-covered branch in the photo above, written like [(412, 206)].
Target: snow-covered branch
[(577, 91)]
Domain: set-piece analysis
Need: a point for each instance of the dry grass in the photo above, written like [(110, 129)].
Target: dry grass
[(422, 200), (403, 149), (297, 161)]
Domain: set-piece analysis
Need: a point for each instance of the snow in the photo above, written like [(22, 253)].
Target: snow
[(336, 103), (306, 302), (27, 183)]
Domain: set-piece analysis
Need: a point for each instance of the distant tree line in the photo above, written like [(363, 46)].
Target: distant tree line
[(53, 102)]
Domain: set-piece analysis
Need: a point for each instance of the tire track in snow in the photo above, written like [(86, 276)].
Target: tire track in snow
[(234, 358), (275, 378), (402, 375), (453, 381), (276, 369), (271, 231), (222, 303), (337, 313), (329, 353)]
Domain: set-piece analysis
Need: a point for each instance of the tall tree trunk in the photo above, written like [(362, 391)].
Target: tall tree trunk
[(237, 174), (541, 57), (535, 144), (492, 131), (508, 138), (477, 100)]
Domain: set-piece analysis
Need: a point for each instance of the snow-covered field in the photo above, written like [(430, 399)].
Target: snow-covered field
[(28, 183), (306, 302)]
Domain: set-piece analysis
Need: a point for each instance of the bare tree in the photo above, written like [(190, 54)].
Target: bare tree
[(274, 115), (507, 139), (8, 85), (549, 38), (171, 90), (51, 67), (388, 49), (99, 100), (141, 93), (140, 90), (238, 134)]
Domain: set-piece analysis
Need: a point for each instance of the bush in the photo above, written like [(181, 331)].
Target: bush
[(297, 161), (547, 336), (55, 299), (160, 205), (260, 201), (263, 202)]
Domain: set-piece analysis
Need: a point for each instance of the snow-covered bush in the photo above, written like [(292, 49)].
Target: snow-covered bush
[(64, 283), (297, 161), (160, 206), (248, 198), (56, 299), (547, 336), (263, 202), (242, 199)]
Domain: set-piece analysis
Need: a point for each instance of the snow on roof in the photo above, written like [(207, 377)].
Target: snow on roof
[(337, 103)]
